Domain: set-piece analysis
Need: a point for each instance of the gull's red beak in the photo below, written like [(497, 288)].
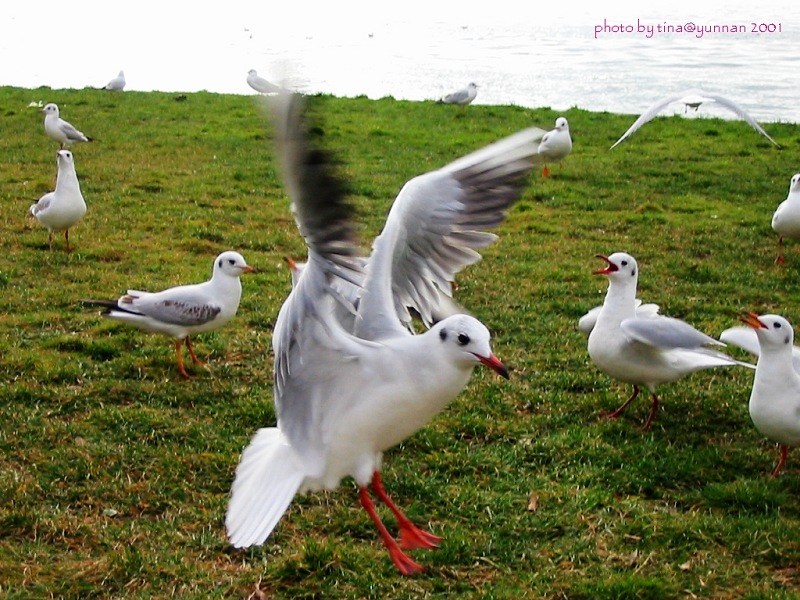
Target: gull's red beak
[(610, 267), (753, 321), (292, 265), (248, 269), (493, 363)]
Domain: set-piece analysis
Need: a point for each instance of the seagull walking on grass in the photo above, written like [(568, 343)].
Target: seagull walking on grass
[(63, 208), (186, 310), (692, 99), (775, 398), (645, 350), (786, 220), (463, 96), (59, 129), (344, 397), (556, 144)]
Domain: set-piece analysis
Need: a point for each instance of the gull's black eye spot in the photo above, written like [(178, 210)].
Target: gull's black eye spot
[(624, 263), (777, 325), (443, 334), (463, 339), (220, 263)]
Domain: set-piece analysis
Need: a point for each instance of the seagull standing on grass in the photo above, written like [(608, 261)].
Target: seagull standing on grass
[(342, 398), (786, 220), (692, 99), (556, 144), (261, 85), (117, 84), (63, 208), (775, 398), (645, 350), (186, 310), (463, 96), (58, 129)]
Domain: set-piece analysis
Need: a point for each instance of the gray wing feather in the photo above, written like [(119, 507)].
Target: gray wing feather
[(666, 332)]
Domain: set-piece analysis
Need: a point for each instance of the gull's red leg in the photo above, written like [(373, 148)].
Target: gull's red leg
[(402, 561), (781, 460), (621, 409), (411, 536)]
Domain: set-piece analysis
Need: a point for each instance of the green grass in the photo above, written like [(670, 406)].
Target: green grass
[(114, 471)]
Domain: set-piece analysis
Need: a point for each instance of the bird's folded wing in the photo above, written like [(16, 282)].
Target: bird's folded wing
[(436, 225), (666, 332), (180, 306)]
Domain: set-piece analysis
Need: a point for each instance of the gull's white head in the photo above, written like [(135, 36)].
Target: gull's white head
[(252, 73), (473, 86), (620, 267), (794, 186), (50, 109), (466, 341), (773, 331), (232, 264), (562, 124), (64, 157)]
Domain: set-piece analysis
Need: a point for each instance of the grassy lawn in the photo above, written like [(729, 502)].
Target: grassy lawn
[(115, 471)]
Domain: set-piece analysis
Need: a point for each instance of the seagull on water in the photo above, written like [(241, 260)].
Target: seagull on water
[(556, 144), (775, 399), (645, 350), (185, 310), (63, 208), (58, 129), (786, 220), (693, 99), (344, 397)]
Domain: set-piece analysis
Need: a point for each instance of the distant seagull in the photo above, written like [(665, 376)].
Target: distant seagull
[(556, 144), (775, 398), (63, 208), (463, 96), (117, 84), (693, 99), (786, 220), (261, 85), (645, 350), (58, 129), (186, 310)]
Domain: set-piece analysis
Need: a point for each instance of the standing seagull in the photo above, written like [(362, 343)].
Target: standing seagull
[(186, 310), (645, 350), (58, 129), (117, 84), (261, 85), (342, 398), (775, 399), (556, 144), (462, 97), (786, 220), (692, 99), (63, 208)]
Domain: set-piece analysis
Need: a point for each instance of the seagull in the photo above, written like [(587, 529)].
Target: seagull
[(63, 208), (261, 85), (747, 339), (344, 397), (775, 399), (58, 129), (462, 97), (786, 220), (556, 144), (117, 84), (645, 350), (693, 99), (186, 310)]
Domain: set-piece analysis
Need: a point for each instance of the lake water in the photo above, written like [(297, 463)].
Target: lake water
[(610, 58)]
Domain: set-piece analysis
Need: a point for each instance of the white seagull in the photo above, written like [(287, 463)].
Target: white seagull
[(117, 84), (747, 339), (556, 144), (186, 310), (342, 398), (58, 129), (463, 96), (786, 220), (775, 399), (63, 208), (261, 85), (645, 351), (692, 99)]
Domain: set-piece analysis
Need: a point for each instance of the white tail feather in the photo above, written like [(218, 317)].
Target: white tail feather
[(267, 478)]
